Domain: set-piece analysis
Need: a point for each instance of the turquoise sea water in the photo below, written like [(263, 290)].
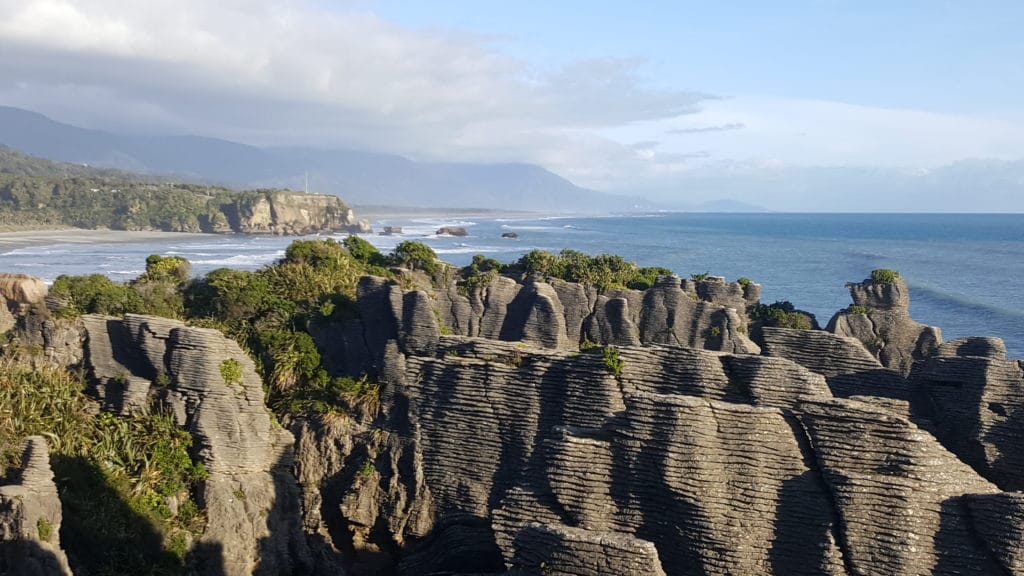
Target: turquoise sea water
[(965, 272)]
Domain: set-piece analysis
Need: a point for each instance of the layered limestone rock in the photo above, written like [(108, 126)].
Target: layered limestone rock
[(898, 492), (30, 517), (493, 454), (976, 397), (556, 315), (999, 521), (564, 551), (844, 361), (880, 319), (285, 212), (210, 384)]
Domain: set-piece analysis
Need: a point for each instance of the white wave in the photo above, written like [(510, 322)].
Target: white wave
[(533, 228), (126, 272), (36, 251), (469, 250), (242, 259)]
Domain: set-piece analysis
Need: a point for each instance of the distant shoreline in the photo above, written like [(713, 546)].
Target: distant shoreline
[(27, 238)]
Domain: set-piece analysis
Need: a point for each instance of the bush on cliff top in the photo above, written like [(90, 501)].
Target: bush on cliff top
[(606, 271), (884, 276), (780, 314)]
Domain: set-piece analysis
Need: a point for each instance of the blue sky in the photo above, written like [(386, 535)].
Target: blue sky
[(670, 100), (965, 56)]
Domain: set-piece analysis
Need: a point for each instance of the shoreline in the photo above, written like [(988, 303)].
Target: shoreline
[(27, 238)]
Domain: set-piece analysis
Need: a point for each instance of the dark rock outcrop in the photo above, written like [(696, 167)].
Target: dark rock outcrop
[(30, 517), (452, 231)]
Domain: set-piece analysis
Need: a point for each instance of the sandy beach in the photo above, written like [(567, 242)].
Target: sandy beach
[(14, 240)]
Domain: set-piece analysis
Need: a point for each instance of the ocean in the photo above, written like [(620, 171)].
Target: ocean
[(965, 271)]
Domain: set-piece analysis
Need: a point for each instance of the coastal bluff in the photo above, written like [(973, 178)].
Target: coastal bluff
[(544, 427)]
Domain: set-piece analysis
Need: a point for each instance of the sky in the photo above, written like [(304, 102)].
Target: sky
[(643, 97)]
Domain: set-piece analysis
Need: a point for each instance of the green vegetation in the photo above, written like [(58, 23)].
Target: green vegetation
[(744, 281), (700, 277), (481, 272), (415, 256), (116, 475), (779, 314), (884, 276), (857, 310), (94, 294), (612, 361), (231, 372), (38, 193), (605, 271), (44, 529)]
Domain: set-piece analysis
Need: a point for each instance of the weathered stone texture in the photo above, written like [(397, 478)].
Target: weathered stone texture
[(886, 328), (30, 517)]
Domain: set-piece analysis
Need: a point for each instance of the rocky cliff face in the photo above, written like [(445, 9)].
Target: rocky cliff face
[(30, 517), (531, 457), (502, 448), (880, 319), (212, 387), (555, 315), (281, 212), (497, 454)]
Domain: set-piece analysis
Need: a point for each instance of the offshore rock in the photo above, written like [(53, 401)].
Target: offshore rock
[(30, 517)]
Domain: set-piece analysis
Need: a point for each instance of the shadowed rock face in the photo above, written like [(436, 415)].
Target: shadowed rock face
[(30, 517), (977, 404)]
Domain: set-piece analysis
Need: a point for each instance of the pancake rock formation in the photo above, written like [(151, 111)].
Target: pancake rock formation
[(544, 427)]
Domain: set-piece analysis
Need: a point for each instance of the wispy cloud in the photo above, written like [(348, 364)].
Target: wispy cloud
[(704, 129)]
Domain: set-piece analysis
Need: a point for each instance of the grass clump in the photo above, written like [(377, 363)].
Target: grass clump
[(855, 309), (231, 372)]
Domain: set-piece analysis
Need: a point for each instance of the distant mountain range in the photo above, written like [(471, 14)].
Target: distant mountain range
[(358, 177)]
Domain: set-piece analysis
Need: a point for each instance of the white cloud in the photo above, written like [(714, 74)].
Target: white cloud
[(292, 73), (274, 72)]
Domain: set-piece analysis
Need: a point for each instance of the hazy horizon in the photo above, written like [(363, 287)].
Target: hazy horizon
[(807, 105)]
